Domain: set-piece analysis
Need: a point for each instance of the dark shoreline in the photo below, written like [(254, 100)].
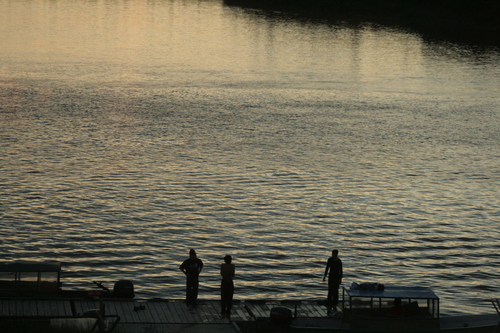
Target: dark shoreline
[(473, 22)]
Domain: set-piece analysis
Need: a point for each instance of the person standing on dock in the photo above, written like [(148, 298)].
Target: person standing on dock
[(334, 264), (227, 270), (191, 267)]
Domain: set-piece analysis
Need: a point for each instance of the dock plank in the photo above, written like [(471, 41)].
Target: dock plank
[(147, 312), (155, 311), (313, 310), (306, 310), (137, 315), (82, 306), (167, 316), (133, 316), (112, 308), (249, 307), (179, 309), (253, 309), (194, 314), (215, 312), (13, 310), (160, 310), (46, 309), (78, 307), (211, 315), (303, 310), (128, 308), (30, 308), (6, 308), (173, 314), (10, 308), (242, 313), (259, 309), (182, 311), (124, 311), (214, 308), (152, 313), (42, 308), (20, 307), (50, 308), (203, 313), (55, 309), (143, 311), (64, 308), (140, 315), (127, 311), (321, 310)]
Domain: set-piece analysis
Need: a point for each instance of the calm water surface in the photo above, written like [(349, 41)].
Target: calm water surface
[(134, 130)]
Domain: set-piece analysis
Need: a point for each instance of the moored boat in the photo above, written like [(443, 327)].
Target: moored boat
[(395, 309), (43, 279)]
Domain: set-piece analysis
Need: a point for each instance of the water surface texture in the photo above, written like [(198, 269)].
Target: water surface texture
[(131, 131)]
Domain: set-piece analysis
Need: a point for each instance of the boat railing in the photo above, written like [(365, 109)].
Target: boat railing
[(496, 305)]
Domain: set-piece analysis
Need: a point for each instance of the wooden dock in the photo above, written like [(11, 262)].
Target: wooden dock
[(138, 315)]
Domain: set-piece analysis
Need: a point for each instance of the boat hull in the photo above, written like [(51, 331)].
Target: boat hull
[(488, 323)]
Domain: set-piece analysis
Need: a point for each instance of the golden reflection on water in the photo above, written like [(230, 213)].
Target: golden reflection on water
[(134, 41), (134, 130)]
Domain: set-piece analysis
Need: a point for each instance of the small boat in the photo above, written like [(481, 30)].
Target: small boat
[(43, 279), (395, 309)]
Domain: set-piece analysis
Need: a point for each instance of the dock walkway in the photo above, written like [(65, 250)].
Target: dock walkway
[(158, 315)]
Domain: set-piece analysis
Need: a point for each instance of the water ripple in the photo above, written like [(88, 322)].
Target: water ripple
[(117, 158)]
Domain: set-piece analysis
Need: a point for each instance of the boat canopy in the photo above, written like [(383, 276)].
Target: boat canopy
[(395, 292), (26, 278), (391, 309), (30, 267)]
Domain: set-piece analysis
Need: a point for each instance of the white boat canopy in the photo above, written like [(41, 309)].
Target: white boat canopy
[(395, 292)]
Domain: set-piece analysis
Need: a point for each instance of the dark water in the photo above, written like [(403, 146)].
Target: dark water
[(134, 130)]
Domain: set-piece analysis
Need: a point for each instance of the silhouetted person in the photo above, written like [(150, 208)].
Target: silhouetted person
[(334, 264), (227, 286), (192, 268)]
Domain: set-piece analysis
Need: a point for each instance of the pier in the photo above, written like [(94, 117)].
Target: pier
[(160, 315)]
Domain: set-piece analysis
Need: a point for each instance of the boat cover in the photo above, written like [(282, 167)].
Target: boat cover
[(30, 267), (394, 292)]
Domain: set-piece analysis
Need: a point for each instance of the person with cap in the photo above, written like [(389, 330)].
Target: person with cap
[(227, 270), (191, 267), (334, 264)]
